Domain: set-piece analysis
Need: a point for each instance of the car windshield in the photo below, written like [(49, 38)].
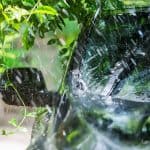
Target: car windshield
[(116, 58)]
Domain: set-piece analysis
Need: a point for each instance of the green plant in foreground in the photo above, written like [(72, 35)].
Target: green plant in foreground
[(35, 113), (28, 19)]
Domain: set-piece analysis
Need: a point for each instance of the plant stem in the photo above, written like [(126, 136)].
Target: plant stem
[(33, 10), (25, 110), (66, 71)]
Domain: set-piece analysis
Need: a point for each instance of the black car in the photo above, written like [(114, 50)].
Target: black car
[(25, 86)]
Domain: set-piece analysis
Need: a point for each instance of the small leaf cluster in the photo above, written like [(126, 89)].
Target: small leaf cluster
[(30, 18), (25, 19)]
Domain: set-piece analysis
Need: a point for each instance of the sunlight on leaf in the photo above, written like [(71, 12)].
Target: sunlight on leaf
[(28, 38), (13, 122), (72, 135), (137, 3), (7, 54), (16, 12), (1, 7), (69, 32), (45, 10)]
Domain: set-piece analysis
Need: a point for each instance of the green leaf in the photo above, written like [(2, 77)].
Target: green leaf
[(16, 12), (52, 41), (72, 135), (4, 132), (45, 10), (2, 69), (137, 3), (13, 122), (1, 7), (2, 37), (28, 3), (69, 32), (7, 54), (28, 38), (31, 114)]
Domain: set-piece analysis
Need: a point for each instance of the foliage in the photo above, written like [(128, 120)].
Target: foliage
[(35, 113), (27, 19), (30, 18)]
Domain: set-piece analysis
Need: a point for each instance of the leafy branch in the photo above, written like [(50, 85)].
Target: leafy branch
[(29, 19)]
